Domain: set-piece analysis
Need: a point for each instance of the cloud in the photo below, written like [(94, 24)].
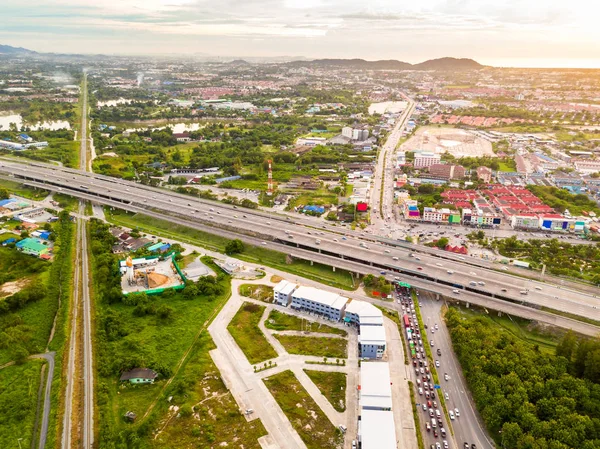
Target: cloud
[(345, 28)]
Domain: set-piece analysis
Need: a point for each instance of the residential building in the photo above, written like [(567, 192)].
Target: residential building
[(525, 221), (327, 304), (426, 159), (447, 171), (587, 167), (410, 209), (32, 246), (484, 173), (282, 293), (371, 341)]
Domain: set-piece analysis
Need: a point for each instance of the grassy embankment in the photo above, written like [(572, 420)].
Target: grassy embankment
[(254, 254), (336, 348), (259, 292), (279, 321), (246, 333), (304, 414), (332, 385)]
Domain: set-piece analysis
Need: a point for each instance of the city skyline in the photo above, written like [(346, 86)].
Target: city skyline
[(520, 34)]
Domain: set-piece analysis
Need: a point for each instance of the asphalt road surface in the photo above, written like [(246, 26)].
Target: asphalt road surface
[(467, 427), (49, 357), (326, 240)]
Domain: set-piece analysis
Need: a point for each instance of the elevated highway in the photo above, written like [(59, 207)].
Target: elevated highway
[(429, 269)]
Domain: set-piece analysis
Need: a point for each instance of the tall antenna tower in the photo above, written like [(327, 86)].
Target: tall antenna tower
[(270, 179)]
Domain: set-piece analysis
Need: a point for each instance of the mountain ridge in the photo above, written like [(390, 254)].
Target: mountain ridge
[(446, 63)]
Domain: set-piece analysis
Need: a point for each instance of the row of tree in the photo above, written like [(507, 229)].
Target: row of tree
[(527, 398)]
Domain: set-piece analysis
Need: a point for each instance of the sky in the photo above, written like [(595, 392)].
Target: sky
[(517, 33)]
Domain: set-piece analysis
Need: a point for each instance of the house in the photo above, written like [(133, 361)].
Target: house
[(32, 246), (139, 376)]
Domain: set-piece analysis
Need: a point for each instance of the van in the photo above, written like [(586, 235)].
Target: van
[(421, 391), (433, 423), (343, 428), (472, 283), (523, 292), (456, 292), (481, 283), (394, 258), (450, 272)]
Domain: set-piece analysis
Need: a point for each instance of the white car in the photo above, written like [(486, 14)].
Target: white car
[(456, 412), (446, 377), (446, 396), (451, 413), (437, 363)]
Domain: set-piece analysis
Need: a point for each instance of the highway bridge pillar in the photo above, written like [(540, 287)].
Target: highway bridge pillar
[(333, 268), (437, 296), (312, 262)]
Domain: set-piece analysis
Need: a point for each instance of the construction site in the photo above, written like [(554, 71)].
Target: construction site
[(458, 142), (150, 275)]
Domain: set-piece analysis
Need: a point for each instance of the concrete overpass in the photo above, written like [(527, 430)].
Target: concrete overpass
[(432, 270)]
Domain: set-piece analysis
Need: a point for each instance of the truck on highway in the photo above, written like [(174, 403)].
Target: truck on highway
[(519, 263)]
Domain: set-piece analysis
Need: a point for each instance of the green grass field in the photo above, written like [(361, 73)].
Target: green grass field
[(257, 291), (336, 348), (209, 415), (322, 273), (153, 339), (246, 333), (332, 385), (24, 191), (283, 322), (304, 414), (19, 386)]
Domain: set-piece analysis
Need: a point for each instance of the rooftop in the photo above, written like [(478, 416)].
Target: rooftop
[(372, 335), (323, 297), (377, 429)]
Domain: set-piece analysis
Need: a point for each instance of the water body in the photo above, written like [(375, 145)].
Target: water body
[(6, 120), (387, 107), (114, 102), (176, 127)]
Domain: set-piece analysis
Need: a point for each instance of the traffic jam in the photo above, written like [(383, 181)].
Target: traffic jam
[(427, 392)]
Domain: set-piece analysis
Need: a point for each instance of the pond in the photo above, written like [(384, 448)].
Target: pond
[(53, 125)]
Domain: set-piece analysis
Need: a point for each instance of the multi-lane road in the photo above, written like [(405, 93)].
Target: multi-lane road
[(442, 272), (381, 194)]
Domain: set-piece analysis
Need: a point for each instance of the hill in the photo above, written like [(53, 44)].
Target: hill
[(8, 50), (442, 64)]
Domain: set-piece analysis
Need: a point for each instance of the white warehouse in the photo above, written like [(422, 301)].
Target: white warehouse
[(310, 299), (363, 314), (376, 426), (282, 293)]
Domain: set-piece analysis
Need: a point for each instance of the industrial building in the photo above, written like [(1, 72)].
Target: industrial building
[(371, 341), (21, 146), (363, 314), (310, 299), (376, 426), (282, 293)]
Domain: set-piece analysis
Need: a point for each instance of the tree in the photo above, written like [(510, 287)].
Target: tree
[(442, 243), (4, 194), (234, 247)]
